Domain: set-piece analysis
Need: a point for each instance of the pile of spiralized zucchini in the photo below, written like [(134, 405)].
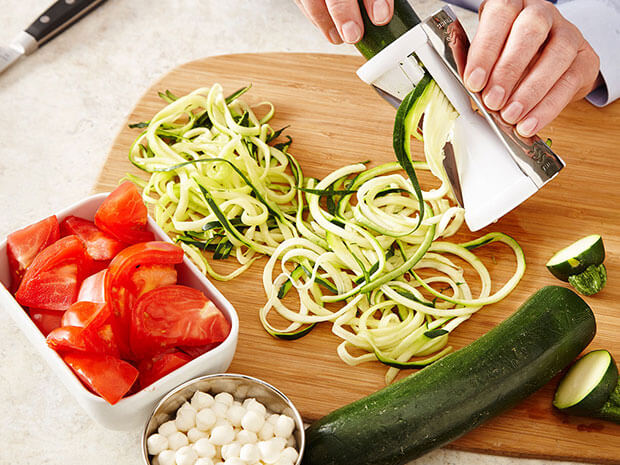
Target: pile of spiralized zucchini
[(352, 246)]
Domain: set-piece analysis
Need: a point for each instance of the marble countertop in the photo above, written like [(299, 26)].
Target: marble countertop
[(61, 109)]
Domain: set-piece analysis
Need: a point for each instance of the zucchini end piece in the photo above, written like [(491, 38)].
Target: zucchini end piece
[(588, 385), (591, 281), (577, 257)]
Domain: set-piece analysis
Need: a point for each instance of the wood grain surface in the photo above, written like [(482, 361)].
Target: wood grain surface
[(336, 119)]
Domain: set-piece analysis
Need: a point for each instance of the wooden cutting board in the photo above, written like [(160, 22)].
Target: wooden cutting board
[(335, 119)]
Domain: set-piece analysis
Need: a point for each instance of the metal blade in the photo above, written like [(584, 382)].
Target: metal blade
[(449, 164), (389, 98), (8, 56)]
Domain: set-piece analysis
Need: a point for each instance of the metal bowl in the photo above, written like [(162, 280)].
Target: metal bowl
[(241, 387)]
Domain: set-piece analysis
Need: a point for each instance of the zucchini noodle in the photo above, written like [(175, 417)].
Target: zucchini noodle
[(364, 248)]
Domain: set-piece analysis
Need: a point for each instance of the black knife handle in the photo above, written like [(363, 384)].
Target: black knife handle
[(59, 17)]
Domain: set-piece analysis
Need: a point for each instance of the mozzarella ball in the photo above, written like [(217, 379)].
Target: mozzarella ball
[(231, 450), (222, 422), (249, 453), (220, 409), (225, 398), (284, 426), (246, 437), (205, 419), (252, 421), (273, 419), (186, 419), (203, 461), (177, 440), (289, 453), (156, 443), (204, 448), (201, 400), (167, 457), (168, 428), (186, 456), (280, 442), (223, 434), (266, 432), (234, 461), (195, 434), (283, 461), (235, 414), (270, 450), (256, 406)]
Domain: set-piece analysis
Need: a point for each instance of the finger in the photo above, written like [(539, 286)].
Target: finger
[(317, 12), (496, 18), (347, 18), (379, 11), (574, 83), (556, 57), (529, 31)]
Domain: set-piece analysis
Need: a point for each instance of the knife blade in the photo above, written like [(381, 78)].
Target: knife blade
[(58, 17)]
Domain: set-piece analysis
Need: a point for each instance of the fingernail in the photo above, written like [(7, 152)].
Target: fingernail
[(527, 128), (380, 11), (351, 32), (494, 98), (475, 81), (512, 112), (334, 36)]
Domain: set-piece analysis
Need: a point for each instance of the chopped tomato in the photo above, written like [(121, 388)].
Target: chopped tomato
[(197, 351), (152, 369), (108, 376), (148, 277), (173, 316), (93, 289), (121, 291), (84, 314), (123, 215), (52, 281), (99, 245), (23, 246), (46, 320), (67, 338)]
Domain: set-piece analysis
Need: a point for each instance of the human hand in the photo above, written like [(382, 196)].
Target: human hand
[(340, 20), (529, 62)]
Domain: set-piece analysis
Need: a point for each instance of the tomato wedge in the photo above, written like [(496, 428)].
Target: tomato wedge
[(67, 338), (46, 320), (52, 281), (99, 245), (123, 215), (23, 246), (83, 314), (152, 369), (148, 277), (107, 376), (93, 288), (173, 316), (121, 292)]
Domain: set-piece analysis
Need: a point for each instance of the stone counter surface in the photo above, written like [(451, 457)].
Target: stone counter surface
[(60, 111)]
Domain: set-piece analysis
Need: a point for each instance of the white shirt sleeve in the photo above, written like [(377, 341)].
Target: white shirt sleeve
[(599, 22)]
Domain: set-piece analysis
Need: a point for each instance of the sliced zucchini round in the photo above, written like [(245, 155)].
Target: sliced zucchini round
[(588, 384), (578, 256)]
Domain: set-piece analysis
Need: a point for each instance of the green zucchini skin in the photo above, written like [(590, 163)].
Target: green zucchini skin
[(459, 392), (376, 38)]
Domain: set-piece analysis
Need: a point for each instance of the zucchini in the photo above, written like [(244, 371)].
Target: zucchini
[(590, 281), (590, 388), (459, 392), (577, 257), (376, 38)]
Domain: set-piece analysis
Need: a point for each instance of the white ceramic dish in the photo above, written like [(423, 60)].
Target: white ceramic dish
[(131, 412)]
